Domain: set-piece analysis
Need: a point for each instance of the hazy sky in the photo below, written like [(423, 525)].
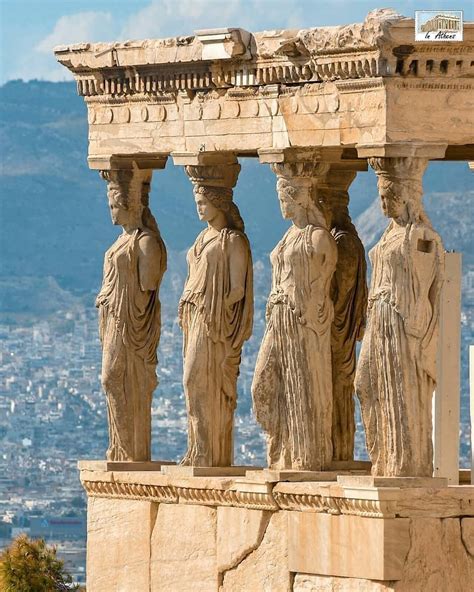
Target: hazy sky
[(31, 28)]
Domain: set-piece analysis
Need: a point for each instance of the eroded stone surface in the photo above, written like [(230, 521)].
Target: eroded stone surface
[(349, 295), (118, 544), (183, 549), (239, 532), (266, 568), (215, 313), (243, 549), (347, 546), (437, 559), (310, 583), (467, 533), (396, 371), (292, 385), (130, 315)]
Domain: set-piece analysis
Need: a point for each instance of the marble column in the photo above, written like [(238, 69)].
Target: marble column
[(292, 385), (130, 314), (396, 372), (215, 314), (349, 295)]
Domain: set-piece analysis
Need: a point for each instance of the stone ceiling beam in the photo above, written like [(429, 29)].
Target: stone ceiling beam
[(125, 161), (299, 154), (203, 158), (409, 149)]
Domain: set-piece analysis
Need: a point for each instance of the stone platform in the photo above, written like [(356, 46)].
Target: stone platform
[(149, 531)]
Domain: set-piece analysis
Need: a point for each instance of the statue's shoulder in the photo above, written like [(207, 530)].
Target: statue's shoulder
[(146, 232), (236, 236), (148, 241), (321, 238)]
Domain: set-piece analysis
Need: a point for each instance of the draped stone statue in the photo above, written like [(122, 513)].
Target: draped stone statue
[(349, 295), (396, 372), (129, 316), (292, 385), (215, 314)]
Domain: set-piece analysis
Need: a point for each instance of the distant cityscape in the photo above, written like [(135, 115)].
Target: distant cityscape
[(53, 413)]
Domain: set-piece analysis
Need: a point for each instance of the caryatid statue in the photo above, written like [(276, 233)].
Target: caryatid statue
[(396, 372), (215, 314), (349, 295), (292, 385), (130, 315)]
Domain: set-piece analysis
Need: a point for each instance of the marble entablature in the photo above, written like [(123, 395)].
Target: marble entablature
[(348, 87)]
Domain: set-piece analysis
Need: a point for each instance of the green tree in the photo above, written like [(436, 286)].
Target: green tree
[(31, 566)]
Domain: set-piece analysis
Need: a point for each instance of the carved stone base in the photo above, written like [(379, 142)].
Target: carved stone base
[(369, 481), (188, 471), (107, 465), (349, 468), (351, 465), (274, 475), (221, 534)]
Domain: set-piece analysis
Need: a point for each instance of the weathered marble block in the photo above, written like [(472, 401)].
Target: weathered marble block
[(119, 543), (348, 546), (151, 532)]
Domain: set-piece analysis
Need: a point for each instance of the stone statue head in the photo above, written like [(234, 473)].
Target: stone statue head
[(294, 195), (128, 196), (333, 192), (297, 190), (399, 181), (299, 195), (211, 200), (393, 199), (124, 196), (213, 192)]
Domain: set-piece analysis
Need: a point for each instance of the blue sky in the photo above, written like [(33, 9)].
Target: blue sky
[(31, 28)]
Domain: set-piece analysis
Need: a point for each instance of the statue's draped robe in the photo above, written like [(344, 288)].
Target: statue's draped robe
[(214, 333), (349, 295), (292, 386), (396, 372), (129, 328)]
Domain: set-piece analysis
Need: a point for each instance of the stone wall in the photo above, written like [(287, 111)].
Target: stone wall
[(154, 532)]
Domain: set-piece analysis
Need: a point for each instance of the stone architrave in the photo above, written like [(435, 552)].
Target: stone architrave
[(292, 385), (130, 315), (396, 372), (215, 314), (349, 296)]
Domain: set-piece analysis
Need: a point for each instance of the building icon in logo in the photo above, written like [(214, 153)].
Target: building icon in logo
[(432, 25)]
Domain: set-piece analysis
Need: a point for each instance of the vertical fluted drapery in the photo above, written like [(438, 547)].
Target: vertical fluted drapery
[(349, 296), (215, 314), (130, 315), (396, 373), (292, 386)]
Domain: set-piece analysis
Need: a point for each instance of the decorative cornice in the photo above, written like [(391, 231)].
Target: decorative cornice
[(334, 505), (241, 499), (346, 86), (202, 497), (178, 494), (381, 46), (297, 497), (137, 491), (166, 78), (435, 84)]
